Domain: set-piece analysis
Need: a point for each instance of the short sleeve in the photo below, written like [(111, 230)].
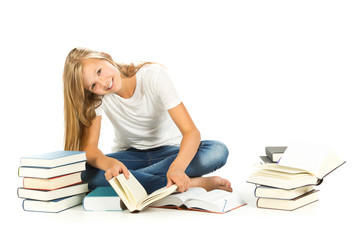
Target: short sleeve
[(166, 90), (98, 111)]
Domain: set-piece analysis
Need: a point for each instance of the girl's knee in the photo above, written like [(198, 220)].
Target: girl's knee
[(211, 156), (217, 153)]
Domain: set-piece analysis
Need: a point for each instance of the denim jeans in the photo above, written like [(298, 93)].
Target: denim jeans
[(150, 166)]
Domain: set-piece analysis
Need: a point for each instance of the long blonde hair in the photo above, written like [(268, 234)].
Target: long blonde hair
[(79, 103)]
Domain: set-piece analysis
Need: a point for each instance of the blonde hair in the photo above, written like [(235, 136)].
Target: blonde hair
[(79, 103)]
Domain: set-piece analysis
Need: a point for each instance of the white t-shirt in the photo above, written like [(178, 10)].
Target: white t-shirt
[(142, 121)]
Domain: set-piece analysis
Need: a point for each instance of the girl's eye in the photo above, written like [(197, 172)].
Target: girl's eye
[(99, 72), (92, 86)]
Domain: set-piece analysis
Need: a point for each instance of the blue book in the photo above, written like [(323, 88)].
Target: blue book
[(102, 199), (53, 159), (53, 206), (46, 172)]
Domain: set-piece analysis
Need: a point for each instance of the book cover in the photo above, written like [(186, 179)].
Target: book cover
[(53, 206), (102, 199), (317, 159), (42, 172), (279, 193), (53, 159), (52, 183), (44, 195), (289, 205), (275, 153)]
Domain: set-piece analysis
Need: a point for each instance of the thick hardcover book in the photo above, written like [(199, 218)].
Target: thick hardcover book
[(279, 193), (102, 199), (53, 159), (53, 206), (44, 195), (290, 205), (42, 172), (52, 183)]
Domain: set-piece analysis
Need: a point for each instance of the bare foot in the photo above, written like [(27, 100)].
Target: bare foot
[(211, 183)]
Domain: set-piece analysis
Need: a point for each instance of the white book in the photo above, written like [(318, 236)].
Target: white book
[(53, 159), (53, 206), (133, 194), (41, 172), (301, 165), (45, 195), (216, 201)]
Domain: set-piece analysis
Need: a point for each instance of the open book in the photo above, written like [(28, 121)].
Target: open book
[(301, 165), (133, 194), (216, 201)]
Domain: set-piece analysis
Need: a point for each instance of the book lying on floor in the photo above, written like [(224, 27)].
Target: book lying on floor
[(133, 194), (279, 193), (45, 172), (52, 183), (53, 159), (198, 199), (292, 204), (45, 195), (102, 199), (299, 166), (53, 206)]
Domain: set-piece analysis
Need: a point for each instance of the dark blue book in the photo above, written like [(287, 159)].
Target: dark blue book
[(53, 159)]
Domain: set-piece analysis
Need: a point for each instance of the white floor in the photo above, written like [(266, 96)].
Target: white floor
[(329, 217)]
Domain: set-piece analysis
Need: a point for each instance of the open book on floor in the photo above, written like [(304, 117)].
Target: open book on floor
[(133, 194), (301, 165), (216, 201)]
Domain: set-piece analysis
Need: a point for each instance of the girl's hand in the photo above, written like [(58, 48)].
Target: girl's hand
[(178, 177), (116, 170)]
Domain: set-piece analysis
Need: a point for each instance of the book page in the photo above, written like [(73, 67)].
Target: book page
[(178, 199), (281, 168), (216, 201), (306, 156), (133, 189), (158, 194), (194, 192)]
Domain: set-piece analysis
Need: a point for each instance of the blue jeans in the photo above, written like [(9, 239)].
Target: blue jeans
[(150, 166)]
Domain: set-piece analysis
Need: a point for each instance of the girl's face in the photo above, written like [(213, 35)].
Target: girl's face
[(100, 76)]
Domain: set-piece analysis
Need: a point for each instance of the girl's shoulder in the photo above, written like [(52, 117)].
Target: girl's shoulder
[(151, 72), (152, 68)]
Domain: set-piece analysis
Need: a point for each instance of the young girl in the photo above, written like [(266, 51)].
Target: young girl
[(155, 137)]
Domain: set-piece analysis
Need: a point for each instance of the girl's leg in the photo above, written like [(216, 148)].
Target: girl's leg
[(150, 166), (210, 156), (131, 158)]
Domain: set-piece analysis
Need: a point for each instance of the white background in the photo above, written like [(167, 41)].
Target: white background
[(251, 73)]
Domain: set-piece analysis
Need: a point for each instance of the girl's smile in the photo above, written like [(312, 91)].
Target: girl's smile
[(100, 76)]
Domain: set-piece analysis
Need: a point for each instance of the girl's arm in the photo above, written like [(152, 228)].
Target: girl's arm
[(95, 157), (188, 147)]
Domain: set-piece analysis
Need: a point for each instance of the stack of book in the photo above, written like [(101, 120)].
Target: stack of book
[(52, 181), (286, 178)]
